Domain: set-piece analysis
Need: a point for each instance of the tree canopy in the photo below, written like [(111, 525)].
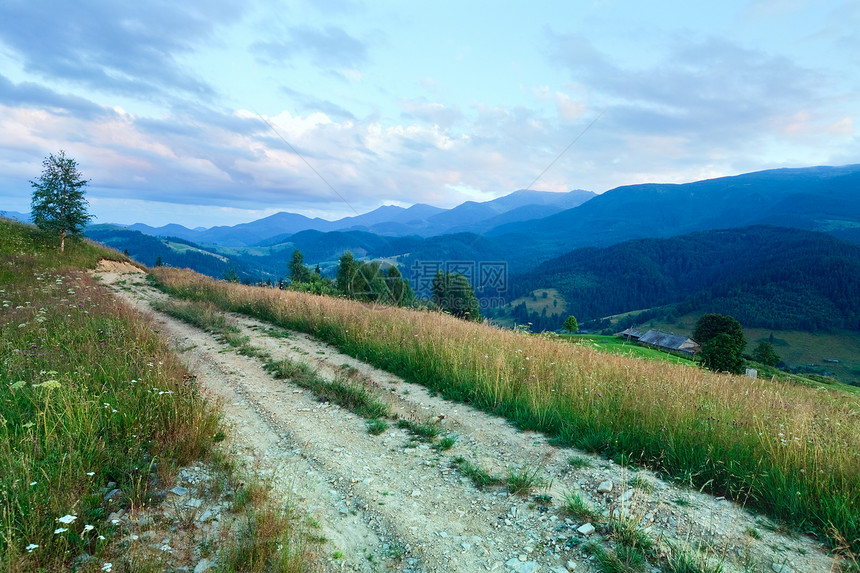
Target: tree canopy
[(723, 342), (299, 273), (720, 354), (766, 354), (713, 324), (453, 294), (58, 203)]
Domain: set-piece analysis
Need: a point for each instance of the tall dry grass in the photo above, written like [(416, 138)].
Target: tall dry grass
[(789, 451)]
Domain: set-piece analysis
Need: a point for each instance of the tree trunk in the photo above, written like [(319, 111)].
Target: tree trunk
[(62, 240)]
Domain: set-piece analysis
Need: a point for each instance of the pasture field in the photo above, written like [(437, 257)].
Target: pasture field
[(541, 299), (621, 347)]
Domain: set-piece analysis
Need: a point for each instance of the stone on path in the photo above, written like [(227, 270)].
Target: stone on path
[(517, 566)]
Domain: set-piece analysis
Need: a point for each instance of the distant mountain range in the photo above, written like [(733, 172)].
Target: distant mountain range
[(421, 220), (533, 226), (817, 198), (23, 217), (516, 231)]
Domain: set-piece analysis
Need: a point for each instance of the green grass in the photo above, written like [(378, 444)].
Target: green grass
[(89, 394), (341, 391), (685, 560), (479, 477), (642, 483), (621, 347), (268, 539), (522, 480), (578, 462), (783, 449), (579, 508), (375, 426), (421, 432), (626, 532), (447, 442), (622, 559)]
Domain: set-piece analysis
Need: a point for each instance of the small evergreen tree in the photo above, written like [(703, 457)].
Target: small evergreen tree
[(766, 354), (722, 340), (453, 294), (299, 273), (346, 271), (58, 203), (399, 288)]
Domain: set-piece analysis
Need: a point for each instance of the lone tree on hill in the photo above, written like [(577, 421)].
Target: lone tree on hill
[(710, 325), (720, 355), (570, 324), (723, 342), (58, 204)]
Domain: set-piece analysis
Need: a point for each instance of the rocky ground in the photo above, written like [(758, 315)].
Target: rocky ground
[(388, 503)]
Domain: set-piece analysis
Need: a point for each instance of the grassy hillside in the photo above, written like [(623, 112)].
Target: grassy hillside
[(90, 395), (787, 450)]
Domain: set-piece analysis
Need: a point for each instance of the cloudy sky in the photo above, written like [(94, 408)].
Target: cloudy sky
[(208, 112)]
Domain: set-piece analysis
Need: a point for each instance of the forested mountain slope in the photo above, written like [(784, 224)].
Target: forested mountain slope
[(764, 276)]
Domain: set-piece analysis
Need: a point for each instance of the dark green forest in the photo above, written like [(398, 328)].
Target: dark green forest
[(764, 276)]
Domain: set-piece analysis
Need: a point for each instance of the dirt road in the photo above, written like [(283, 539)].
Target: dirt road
[(386, 503)]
